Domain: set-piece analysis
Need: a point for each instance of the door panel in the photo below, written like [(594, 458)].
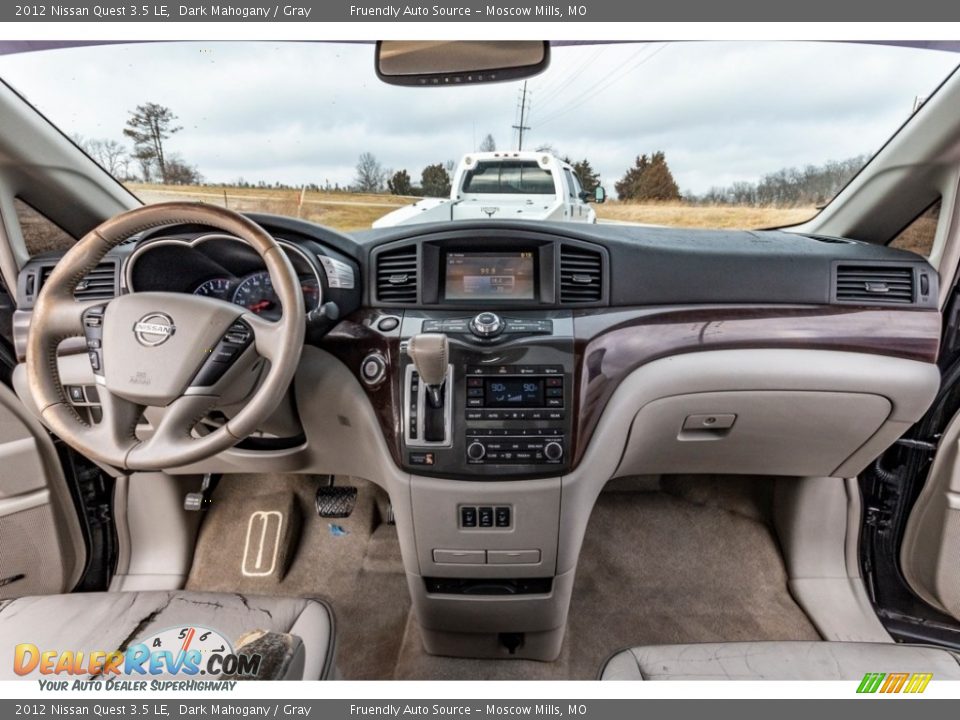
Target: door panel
[(930, 556), (41, 544)]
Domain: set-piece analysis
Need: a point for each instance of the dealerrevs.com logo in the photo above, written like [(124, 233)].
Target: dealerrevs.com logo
[(181, 651)]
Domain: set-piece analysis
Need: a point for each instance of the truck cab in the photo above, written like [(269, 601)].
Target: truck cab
[(510, 185)]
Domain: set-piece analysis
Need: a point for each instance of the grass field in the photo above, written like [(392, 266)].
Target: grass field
[(355, 211)]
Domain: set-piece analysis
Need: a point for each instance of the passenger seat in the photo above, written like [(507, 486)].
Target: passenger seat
[(778, 661), (298, 632)]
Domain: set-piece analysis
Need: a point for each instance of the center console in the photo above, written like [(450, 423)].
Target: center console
[(507, 397), (482, 379)]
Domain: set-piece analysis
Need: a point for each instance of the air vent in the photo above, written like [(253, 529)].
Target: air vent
[(397, 275), (99, 284), (581, 275), (875, 284)]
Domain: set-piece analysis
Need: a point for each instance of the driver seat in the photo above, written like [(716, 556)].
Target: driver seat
[(107, 621)]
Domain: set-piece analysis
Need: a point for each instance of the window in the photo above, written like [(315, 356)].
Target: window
[(919, 235), (509, 178), (40, 234)]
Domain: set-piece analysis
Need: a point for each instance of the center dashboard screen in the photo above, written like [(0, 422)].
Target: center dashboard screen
[(489, 276)]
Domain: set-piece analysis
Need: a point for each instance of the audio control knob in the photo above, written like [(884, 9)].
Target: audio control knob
[(476, 450), (487, 325), (553, 451)]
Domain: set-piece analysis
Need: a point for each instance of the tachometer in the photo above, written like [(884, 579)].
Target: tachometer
[(255, 293), (215, 287)]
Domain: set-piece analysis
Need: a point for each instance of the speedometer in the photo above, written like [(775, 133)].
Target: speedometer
[(255, 293), (215, 288)]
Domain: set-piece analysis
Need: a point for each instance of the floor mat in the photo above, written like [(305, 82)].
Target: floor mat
[(686, 560), (695, 564), (352, 562)]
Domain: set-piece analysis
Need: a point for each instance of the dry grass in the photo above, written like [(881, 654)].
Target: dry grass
[(355, 211), (342, 211), (703, 216)]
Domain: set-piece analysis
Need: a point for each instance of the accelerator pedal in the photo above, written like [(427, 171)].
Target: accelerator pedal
[(336, 501)]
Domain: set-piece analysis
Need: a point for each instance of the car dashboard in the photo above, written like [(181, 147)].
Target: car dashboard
[(575, 355)]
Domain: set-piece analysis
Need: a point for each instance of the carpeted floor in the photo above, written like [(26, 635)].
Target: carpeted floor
[(352, 562), (671, 561)]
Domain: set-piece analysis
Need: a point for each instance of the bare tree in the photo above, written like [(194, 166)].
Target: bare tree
[(370, 174), (149, 126), (179, 173), (109, 154), (488, 144)]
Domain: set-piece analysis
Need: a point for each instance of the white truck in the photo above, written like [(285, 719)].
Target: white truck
[(513, 185)]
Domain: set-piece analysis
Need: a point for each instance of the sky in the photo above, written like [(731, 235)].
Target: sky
[(302, 113)]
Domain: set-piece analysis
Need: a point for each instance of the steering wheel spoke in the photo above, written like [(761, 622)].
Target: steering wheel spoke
[(64, 316), (267, 335)]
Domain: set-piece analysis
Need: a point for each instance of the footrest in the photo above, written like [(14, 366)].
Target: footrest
[(336, 501)]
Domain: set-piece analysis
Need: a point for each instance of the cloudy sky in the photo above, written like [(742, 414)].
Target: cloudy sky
[(303, 112)]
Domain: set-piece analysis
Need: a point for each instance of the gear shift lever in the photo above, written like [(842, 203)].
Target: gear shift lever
[(430, 353)]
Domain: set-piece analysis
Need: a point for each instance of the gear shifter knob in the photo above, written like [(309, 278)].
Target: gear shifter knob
[(430, 353)]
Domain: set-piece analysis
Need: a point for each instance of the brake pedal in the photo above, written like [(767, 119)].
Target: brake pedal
[(336, 501)]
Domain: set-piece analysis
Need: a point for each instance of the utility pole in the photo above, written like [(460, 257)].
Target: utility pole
[(523, 114)]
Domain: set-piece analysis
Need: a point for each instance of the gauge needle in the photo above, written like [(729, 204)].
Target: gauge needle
[(188, 639), (258, 306)]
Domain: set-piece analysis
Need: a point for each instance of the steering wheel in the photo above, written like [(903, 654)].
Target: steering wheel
[(164, 350)]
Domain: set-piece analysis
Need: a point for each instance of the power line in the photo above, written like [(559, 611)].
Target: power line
[(577, 102), (554, 89)]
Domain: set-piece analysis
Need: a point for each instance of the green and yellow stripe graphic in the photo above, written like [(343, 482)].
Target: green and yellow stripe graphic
[(894, 683)]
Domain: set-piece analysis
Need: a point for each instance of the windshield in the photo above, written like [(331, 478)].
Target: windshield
[(697, 134)]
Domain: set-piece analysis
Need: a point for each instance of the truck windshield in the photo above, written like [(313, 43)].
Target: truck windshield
[(519, 177)]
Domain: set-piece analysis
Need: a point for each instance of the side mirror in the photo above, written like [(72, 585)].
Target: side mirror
[(599, 195)]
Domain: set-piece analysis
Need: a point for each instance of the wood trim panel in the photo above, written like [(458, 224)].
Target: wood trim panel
[(610, 344)]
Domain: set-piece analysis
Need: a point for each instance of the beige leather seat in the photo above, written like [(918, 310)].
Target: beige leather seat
[(778, 661), (108, 621)]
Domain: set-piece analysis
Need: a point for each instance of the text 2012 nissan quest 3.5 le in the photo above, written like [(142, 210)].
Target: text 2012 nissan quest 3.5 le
[(245, 433)]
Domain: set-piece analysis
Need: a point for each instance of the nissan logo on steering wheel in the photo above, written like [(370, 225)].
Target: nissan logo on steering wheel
[(154, 329)]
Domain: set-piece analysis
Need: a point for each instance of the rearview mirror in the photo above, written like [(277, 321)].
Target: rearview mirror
[(435, 62), (599, 195)]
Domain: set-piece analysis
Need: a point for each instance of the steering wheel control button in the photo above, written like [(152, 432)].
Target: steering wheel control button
[(486, 325), (75, 393), (93, 331), (373, 369), (235, 340)]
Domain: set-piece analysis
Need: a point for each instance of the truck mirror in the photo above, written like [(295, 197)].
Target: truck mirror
[(599, 195)]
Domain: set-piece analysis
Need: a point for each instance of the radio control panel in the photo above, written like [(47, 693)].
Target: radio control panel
[(510, 407)]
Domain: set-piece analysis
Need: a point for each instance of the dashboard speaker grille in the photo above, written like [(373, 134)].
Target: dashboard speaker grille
[(99, 284), (581, 275), (875, 284), (397, 275)]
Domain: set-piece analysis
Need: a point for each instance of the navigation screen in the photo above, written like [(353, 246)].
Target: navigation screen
[(489, 275), (513, 392)]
